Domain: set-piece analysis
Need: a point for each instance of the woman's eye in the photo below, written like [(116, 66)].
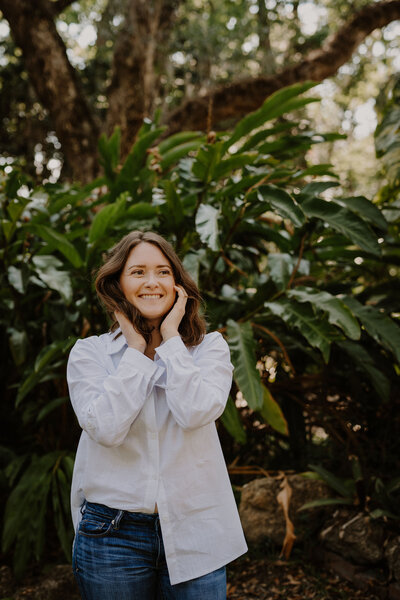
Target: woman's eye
[(138, 272), (165, 272)]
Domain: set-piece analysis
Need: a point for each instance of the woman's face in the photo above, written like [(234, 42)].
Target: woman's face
[(147, 281)]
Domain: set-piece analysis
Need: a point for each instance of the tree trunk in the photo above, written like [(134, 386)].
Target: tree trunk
[(139, 60), (237, 99), (267, 59), (55, 82)]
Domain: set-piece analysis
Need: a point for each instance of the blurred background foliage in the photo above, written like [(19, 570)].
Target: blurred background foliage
[(304, 288), (287, 220)]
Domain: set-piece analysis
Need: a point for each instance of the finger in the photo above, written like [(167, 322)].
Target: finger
[(181, 291)]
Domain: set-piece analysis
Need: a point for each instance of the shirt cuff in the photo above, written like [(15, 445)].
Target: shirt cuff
[(136, 359), (170, 347)]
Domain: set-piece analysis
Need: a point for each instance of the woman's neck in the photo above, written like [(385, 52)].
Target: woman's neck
[(155, 341)]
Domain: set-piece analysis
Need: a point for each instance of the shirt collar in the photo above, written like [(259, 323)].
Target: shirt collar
[(115, 345)]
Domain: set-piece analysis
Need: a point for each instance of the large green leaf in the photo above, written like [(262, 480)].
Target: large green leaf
[(343, 220), (60, 242), (229, 165), (282, 203), (207, 225), (174, 204), (338, 313), (192, 261), (262, 135), (177, 152), (282, 101), (281, 267), (26, 513), (342, 486), (387, 136), (251, 231), (321, 502), (48, 269), (232, 423), (377, 324), (207, 158), (8, 228), (50, 406), (18, 342), (322, 169), (18, 277), (109, 152), (315, 188), (366, 364), (106, 218), (138, 155), (43, 368), (16, 207), (243, 351), (317, 332), (177, 139), (272, 413), (72, 197), (365, 209)]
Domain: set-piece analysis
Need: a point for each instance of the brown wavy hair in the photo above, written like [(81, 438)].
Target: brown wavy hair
[(192, 328)]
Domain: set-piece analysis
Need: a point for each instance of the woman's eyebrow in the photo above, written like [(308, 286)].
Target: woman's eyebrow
[(144, 266)]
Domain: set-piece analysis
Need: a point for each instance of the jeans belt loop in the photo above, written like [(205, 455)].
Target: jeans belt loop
[(116, 521)]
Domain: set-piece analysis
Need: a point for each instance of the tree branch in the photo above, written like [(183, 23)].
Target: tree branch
[(55, 82), (60, 5), (237, 99)]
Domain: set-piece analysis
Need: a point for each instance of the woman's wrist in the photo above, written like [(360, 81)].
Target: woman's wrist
[(169, 333)]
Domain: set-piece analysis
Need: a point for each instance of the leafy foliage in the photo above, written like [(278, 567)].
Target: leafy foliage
[(290, 276)]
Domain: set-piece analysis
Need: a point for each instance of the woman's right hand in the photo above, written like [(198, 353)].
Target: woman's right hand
[(133, 338)]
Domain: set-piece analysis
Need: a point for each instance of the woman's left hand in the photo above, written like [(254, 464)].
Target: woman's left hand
[(169, 327)]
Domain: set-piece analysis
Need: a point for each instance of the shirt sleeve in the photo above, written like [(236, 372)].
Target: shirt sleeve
[(106, 405), (198, 385)]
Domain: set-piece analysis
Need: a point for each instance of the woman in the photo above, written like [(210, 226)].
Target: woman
[(152, 504)]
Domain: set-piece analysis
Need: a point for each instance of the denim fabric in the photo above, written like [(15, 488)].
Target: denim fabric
[(119, 555)]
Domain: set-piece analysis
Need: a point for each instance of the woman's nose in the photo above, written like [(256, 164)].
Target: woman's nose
[(151, 279)]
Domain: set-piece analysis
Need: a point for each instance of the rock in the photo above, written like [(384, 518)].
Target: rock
[(337, 564), (261, 515), (354, 536), (392, 555)]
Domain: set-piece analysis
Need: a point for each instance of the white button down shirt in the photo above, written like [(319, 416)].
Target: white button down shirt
[(149, 438)]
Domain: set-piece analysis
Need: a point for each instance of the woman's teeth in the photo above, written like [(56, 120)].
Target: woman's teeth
[(151, 296)]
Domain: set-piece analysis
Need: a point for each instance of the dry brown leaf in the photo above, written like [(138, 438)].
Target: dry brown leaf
[(283, 499)]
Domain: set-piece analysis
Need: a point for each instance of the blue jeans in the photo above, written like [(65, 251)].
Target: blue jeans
[(119, 555)]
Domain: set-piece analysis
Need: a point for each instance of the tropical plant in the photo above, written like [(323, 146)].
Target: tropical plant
[(378, 498), (290, 273)]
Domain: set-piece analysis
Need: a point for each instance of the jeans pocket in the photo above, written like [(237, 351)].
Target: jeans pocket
[(94, 526)]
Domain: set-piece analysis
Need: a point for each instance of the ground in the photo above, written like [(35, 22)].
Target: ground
[(249, 578), (274, 579)]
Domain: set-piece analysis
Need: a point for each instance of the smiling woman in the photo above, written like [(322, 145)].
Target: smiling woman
[(152, 504)]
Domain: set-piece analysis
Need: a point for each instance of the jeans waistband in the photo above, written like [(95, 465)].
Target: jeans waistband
[(113, 513)]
